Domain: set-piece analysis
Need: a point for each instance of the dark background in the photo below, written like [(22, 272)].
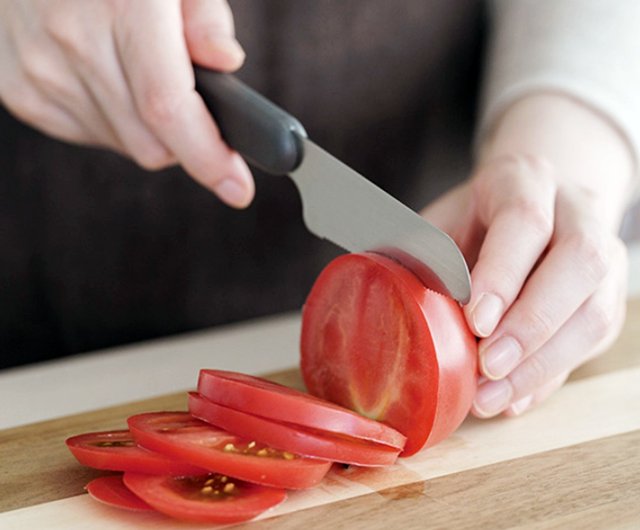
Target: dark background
[(97, 252)]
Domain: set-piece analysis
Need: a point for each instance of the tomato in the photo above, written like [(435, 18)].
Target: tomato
[(377, 341), (293, 438), (117, 451), (269, 400), (112, 491), (211, 499), (179, 435)]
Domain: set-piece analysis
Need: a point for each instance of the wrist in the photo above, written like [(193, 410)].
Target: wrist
[(585, 149)]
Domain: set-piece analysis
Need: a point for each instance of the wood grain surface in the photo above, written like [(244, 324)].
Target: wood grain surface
[(576, 481), (550, 491)]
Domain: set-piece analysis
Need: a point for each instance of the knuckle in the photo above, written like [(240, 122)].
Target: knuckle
[(534, 213), (518, 186), (40, 71), (540, 166), (523, 165), (70, 34), (539, 327), (58, 25), (10, 93), (600, 321), (159, 107), (619, 250), (152, 158), (508, 278), (24, 104), (590, 250), (533, 373)]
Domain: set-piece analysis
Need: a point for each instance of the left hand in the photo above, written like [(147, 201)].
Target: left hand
[(538, 224)]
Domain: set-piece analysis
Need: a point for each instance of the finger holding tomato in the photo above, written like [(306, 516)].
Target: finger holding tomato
[(549, 273)]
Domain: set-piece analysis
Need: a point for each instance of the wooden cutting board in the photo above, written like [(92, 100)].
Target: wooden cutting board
[(572, 463)]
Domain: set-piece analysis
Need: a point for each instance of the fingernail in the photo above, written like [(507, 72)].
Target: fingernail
[(232, 192), (520, 406), (492, 398), (486, 314), (500, 357)]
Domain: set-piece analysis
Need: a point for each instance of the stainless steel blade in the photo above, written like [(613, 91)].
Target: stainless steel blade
[(342, 206)]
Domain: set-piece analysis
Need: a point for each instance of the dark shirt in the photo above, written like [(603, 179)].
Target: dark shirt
[(97, 252)]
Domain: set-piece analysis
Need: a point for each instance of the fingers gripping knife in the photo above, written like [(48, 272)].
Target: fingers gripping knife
[(338, 204)]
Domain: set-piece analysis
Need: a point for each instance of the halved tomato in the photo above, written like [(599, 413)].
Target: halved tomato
[(293, 438), (112, 491), (180, 435), (211, 499), (377, 341), (260, 397), (117, 451)]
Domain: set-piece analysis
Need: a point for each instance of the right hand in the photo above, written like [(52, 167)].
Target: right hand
[(117, 74)]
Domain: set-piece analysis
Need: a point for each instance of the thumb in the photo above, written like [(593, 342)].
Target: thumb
[(210, 35)]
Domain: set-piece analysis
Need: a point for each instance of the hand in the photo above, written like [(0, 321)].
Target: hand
[(118, 74), (538, 223)]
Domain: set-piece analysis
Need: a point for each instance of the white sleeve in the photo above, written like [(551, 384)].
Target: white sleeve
[(589, 49)]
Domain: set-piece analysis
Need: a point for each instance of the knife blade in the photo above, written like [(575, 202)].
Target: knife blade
[(338, 203)]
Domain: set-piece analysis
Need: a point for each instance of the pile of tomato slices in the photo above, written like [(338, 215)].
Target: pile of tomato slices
[(243, 443), (392, 365)]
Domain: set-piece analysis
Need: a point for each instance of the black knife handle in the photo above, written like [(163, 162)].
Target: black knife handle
[(264, 134)]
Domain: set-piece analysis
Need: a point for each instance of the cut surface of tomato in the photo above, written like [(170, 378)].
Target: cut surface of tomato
[(179, 435), (377, 341), (260, 397), (213, 498), (293, 438), (112, 491), (117, 451)]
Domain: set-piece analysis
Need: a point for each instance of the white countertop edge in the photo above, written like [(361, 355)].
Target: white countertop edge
[(109, 377)]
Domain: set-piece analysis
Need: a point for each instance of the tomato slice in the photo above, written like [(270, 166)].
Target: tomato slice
[(260, 397), (179, 435), (211, 499), (112, 491), (315, 444), (377, 341), (117, 451)]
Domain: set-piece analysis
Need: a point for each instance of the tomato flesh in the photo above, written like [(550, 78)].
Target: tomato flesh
[(180, 435), (260, 397), (377, 341), (112, 491), (117, 451), (209, 499), (293, 438)]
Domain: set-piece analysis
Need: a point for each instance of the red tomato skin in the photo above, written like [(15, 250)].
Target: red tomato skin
[(259, 397), (112, 491), (300, 473), (293, 438), (157, 492), (433, 361), (118, 458)]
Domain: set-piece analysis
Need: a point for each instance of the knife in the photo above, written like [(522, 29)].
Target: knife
[(338, 204)]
